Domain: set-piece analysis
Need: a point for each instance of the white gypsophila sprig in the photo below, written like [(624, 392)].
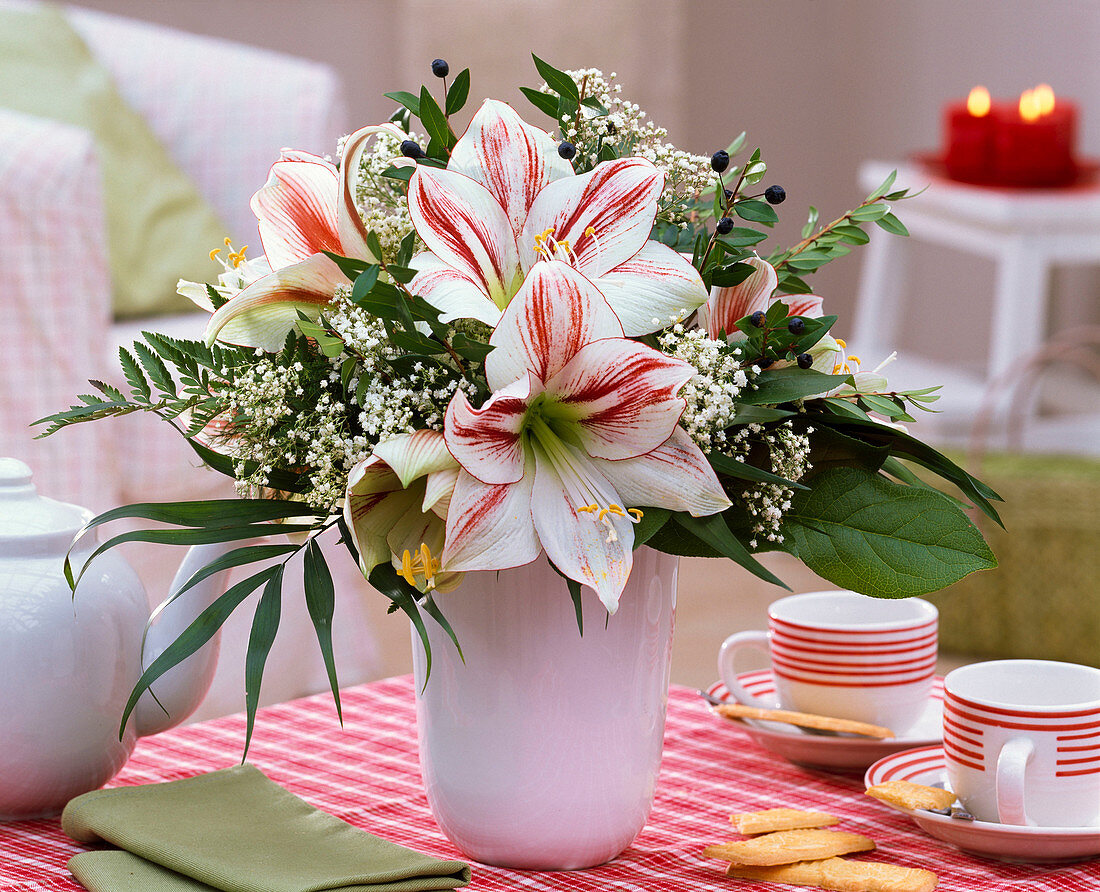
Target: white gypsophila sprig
[(381, 200), (626, 129), (789, 455), (711, 393)]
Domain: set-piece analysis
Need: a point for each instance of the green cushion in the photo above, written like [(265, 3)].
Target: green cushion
[(159, 228), (1040, 602)]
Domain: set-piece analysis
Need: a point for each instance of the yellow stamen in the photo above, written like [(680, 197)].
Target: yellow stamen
[(591, 230), (214, 254), (589, 508), (855, 359), (840, 342), (637, 512), (228, 242), (422, 564)]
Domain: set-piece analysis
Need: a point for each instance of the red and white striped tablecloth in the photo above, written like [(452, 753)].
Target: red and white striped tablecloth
[(367, 774)]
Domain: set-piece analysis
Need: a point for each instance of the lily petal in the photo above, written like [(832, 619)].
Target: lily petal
[(438, 489), (490, 527), (622, 395), (578, 544), (374, 501), (487, 441), (415, 455), (617, 201), (509, 157), (296, 209), (675, 475), (264, 313), (651, 288), (555, 312), (353, 234), (451, 291), (464, 226), (807, 305), (726, 305)]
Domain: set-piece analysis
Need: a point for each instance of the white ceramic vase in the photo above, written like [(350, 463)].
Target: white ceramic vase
[(542, 751)]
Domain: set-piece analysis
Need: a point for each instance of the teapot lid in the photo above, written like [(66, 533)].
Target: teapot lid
[(31, 524)]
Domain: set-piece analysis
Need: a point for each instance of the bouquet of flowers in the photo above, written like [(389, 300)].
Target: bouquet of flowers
[(469, 351)]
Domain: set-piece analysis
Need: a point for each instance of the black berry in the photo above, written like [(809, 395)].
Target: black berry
[(611, 129), (805, 360), (410, 148), (775, 194), (765, 363), (720, 160), (728, 193), (567, 150), (757, 319), (796, 326), (724, 225), (440, 68)]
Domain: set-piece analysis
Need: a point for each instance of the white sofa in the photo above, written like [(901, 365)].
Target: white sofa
[(223, 111)]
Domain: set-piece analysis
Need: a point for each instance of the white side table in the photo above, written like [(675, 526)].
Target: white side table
[(1025, 232)]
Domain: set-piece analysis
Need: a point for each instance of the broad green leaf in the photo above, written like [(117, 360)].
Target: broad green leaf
[(544, 102), (758, 415), (558, 81), (733, 274), (741, 237), (756, 211), (435, 122), (830, 448), (864, 532), (265, 623), (459, 91), (409, 100), (349, 266), (467, 348), (714, 532), (731, 467), (200, 631), (789, 384), (321, 603)]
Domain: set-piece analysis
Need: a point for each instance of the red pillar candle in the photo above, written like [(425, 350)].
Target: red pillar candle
[(1035, 145), (970, 135)]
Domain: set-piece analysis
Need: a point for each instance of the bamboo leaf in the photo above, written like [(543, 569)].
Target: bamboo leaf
[(432, 609), (321, 604), (724, 464), (200, 631), (265, 624), (384, 578)]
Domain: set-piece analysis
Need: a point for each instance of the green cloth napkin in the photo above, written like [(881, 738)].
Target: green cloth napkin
[(237, 831)]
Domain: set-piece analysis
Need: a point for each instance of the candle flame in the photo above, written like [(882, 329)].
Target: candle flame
[(978, 102), (1044, 95), (1030, 106)]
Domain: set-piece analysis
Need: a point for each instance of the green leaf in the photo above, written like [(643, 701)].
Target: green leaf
[(731, 467), (734, 274), (892, 224), (209, 513), (155, 368), (223, 464), (200, 631), (435, 122), (468, 348), (349, 266), (885, 187), (432, 609), (758, 415), (544, 102), (864, 532), (741, 237), (409, 100), (139, 387), (789, 384), (756, 211), (652, 521), (238, 557), (830, 448), (852, 234), (558, 81), (320, 598), (870, 212), (265, 623), (713, 531), (384, 578), (811, 223), (737, 144), (459, 91), (912, 449)]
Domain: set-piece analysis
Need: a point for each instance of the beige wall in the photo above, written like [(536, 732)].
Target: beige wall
[(818, 84)]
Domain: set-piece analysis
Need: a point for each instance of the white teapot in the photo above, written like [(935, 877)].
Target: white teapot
[(69, 662)]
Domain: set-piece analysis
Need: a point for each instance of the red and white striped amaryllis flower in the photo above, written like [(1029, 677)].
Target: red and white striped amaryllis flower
[(396, 504), (306, 207), (726, 305), (581, 428), (507, 200)]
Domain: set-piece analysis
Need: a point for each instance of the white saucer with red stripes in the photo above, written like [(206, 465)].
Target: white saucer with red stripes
[(841, 752), (925, 765)]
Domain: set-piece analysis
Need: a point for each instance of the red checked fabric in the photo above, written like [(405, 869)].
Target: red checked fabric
[(367, 774)]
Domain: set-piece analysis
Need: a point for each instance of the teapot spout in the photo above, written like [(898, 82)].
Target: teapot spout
[(182, 688)]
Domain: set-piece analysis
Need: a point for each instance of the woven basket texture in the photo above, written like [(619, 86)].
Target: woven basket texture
[(1043, 600)]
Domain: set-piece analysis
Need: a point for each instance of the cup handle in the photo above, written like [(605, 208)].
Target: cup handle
[(727, 671), (1011, 765)]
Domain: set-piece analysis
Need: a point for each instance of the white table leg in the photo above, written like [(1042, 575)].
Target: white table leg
[(1018, 324), (881, 292)]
